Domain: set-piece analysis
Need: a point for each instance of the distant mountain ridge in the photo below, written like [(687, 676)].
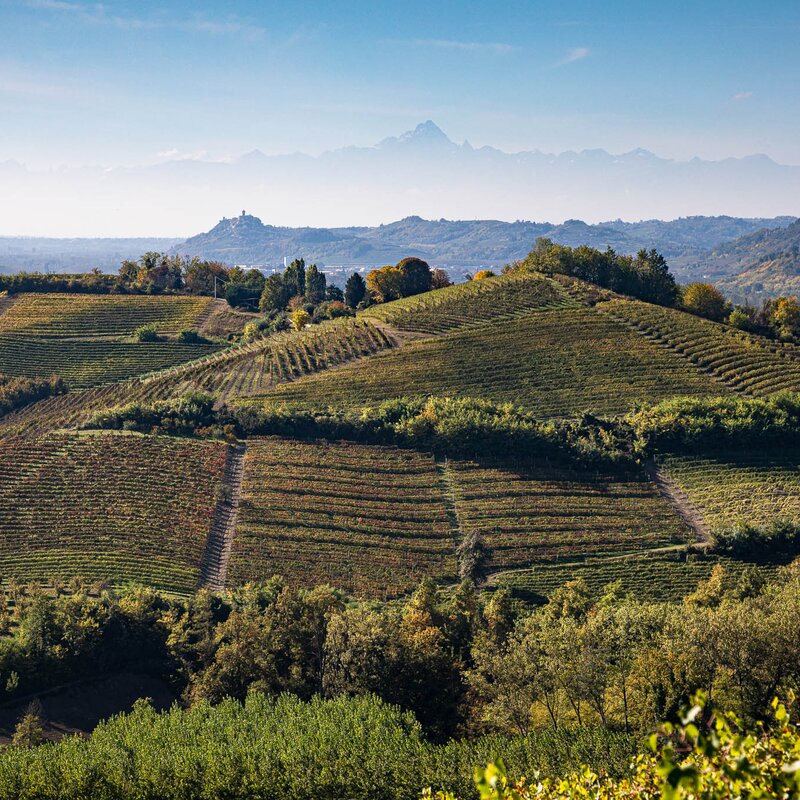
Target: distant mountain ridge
[(421, 171), (456, 243), (762, 264)]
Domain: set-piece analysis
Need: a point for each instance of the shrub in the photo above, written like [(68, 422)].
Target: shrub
[(18, 392), (776, 541), (689, 760), (705, 300), (147, 333), (300, 318), (483, 274), (190, 336), (687, 423)]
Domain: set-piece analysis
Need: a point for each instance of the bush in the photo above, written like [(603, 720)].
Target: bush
[(18, 392), (192, 414), (780, 540), (458, 426), (147, 333), (483, 274), (705, 300), (190, 336), (300, 318), (689, 423)]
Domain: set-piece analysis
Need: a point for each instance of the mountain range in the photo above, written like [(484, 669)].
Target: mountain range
[(421, 172)]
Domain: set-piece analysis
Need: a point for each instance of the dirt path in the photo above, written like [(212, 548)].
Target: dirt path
[(680, 500), (214, 569), (6, 301)]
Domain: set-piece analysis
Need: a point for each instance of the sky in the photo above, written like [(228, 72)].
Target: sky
[(116, 83)]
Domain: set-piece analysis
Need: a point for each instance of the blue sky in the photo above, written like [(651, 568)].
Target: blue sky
[(128, 83)]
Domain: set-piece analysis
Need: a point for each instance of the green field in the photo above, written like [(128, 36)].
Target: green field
[(537, 513), (86, 339), (236, 371), (371, 520), (663, 577), (557, 363), (90, 362), (81, 315), (745, 362), (740, 487), (108, 507), (502, 298)]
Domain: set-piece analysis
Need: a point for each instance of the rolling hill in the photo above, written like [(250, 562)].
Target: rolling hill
[(372, 518)]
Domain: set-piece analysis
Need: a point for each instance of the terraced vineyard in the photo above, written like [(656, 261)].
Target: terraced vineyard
[(558, 363), (371, 520), (234, 372), (740, 487), (535, 513), (745, 362), (108, 507), (86, 338), (666, 577), (502, 298), (81, 315)]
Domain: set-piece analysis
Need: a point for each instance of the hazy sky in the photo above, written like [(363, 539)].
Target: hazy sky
[(128, 83)]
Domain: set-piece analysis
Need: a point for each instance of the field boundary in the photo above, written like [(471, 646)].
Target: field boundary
[(448, 486), (687, 511), (214, 567)]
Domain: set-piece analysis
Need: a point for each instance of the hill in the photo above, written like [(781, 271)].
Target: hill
[(367, 516), (88, 339), (108, 507), (459, 244), (759, 265)]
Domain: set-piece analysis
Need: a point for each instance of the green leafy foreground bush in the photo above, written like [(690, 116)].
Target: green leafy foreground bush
[(355, 748), (687, 761)]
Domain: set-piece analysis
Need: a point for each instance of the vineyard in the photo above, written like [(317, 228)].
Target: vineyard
[(237, 371), (740, 487), (557, 363), (371, 520), (503, 299), (108, 507), (745, 362), (85, 339), (537, 513), (662, 577), (81, 315), (89, 362)]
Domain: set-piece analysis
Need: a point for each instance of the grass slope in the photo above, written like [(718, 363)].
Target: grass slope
[(108, 507), (234, 372), (665, 577), (558, 363)]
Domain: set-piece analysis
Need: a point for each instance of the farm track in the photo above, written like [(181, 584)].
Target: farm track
[(6, 302), (214, 567), (450, 494), (680, 501)]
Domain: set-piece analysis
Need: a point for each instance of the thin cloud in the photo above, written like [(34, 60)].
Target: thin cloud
[(739, 96), (576, 54), (99, 14), (173, 154), (24, 86), (501, 48)]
